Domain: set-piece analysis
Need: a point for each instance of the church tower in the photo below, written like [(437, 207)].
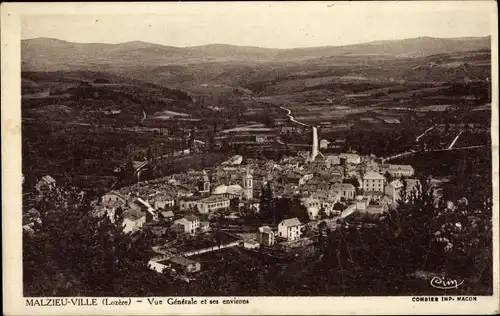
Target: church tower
[(204, 184), (248, 185)]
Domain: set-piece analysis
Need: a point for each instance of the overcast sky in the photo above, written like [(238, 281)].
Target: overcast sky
[(275, 25)]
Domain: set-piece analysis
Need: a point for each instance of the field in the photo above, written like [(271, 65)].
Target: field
[(86, 96), (378, 103)]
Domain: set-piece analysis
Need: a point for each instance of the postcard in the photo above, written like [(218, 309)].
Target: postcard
[(250, 158)]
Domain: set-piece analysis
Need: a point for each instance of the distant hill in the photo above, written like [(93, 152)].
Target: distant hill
[(42, 54), (421, 46)]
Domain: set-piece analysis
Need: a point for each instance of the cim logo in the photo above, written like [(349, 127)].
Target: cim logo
[(443, 283)]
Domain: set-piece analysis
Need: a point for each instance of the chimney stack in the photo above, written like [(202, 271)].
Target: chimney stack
[(315, 146)]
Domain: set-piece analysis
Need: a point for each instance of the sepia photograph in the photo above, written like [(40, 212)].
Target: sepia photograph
[(239, 150)]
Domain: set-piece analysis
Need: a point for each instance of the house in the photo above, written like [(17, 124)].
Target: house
[(33, 215), (398, 171), (204, 226), (251, 205), (348, 191), (168, 215), (323, 144), (133, 220), (336, 177), (292, 178), (362, 203), (141, 205), (290, 229), (184, 264), (332, 160), (265, 236), (156, 265), (393, 190), (112, 197), (161, 201), (158, 231), (212, 203), (229, 191), (287, 129), (351, 158), (29, 220), (188, 202), (313, 206), (190, 224), (47, 183), (373, 181), (183, 191), (305, 177), (328, 204), (338, 169), (234, 161)]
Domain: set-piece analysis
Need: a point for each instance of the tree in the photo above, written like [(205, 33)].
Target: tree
[(322, 213), (266, 202), (388, 177), (73, 253)]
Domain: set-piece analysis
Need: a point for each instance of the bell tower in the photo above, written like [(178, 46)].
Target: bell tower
[(204, 184), (248, 185)]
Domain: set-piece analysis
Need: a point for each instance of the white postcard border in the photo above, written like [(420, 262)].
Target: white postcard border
[(15, 304)]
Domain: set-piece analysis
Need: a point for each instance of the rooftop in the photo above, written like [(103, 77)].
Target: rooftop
[(291, 222), (168, 214), (229, 189), (118, 194), (401, 167), (373, 176), (183, 261), (133, 214), (265, 229), (212, 199), (346, 186), (191, 218), (48, 179), (396, 184)]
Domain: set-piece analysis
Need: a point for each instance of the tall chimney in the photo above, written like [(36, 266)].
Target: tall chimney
[(315, 146)]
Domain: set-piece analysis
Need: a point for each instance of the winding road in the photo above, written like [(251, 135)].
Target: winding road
[(426, 131), (289, 114)]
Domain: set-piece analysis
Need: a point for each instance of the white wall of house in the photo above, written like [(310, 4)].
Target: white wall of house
[(156, 266), (186, 205), (133, 225), (164, 203), (392, 192), (111, 197), (348, 194), (190, 227), (290, 233), (206, 207), (376, 185)]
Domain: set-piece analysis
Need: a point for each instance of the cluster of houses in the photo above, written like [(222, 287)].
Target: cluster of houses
[(146, 204), (184, 202), (324, 185)]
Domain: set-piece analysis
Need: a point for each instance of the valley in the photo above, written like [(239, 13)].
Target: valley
[(155, 98)]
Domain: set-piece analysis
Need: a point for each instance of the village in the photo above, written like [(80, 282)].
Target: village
[(198, 212)]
